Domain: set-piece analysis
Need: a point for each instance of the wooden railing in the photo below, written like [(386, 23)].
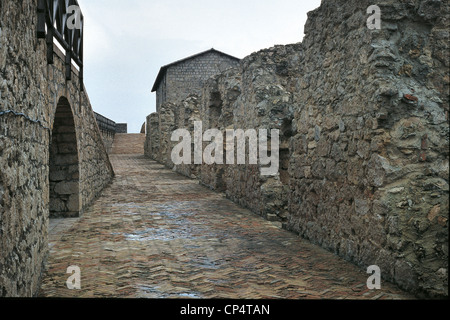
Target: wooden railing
[(62, 20)]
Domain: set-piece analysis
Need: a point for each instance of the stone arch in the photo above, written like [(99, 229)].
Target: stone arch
[(64, 169)]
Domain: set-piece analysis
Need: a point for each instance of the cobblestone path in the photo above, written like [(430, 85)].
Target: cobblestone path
[(156, 234)]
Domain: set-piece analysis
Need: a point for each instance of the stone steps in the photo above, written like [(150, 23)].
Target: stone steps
[(128, 144)]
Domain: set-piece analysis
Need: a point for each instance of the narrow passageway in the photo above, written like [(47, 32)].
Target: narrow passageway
[(156, 234)]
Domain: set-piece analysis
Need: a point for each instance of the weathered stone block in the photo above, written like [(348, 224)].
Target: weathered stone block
[(65, 159), (67, 188), (56, 176), (74, 203), (57, 205)]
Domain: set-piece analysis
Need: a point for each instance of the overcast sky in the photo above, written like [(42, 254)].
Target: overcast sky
[(127, 42)]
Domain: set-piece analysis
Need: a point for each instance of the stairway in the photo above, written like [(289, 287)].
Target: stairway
[(128, 143)]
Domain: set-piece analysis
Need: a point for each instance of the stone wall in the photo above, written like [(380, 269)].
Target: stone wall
[(187, 77), (39, 149), (369, 164), (121, 128), (108, 130), (364, 135), (64, 176), (152, 130)]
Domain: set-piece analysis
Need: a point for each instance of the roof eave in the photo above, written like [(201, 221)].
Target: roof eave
[(159, 78), (163, 69)]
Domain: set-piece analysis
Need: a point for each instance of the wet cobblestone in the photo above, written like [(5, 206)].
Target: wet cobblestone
[(156, 234)]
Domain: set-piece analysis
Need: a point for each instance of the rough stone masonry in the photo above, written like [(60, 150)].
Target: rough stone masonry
[(52, 158), (363, 115)]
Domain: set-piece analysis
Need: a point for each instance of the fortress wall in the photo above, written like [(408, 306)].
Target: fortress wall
[(30, 91), (369, 164), (363, 120)]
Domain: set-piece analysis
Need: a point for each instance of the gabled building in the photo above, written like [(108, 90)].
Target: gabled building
[(179, 79)]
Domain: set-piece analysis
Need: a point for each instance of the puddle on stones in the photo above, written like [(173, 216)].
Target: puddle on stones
[(158, 234), (176, 226), (170, 233), (155, 292)]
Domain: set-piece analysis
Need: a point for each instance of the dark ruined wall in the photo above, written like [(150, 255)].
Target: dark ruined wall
[(30, 90), (363, 120), (151, 147)]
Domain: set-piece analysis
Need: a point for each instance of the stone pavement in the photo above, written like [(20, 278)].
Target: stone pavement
[(128, 143), (156, 234)]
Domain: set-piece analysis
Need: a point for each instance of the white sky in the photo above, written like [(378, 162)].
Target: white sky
[(127, 42)]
